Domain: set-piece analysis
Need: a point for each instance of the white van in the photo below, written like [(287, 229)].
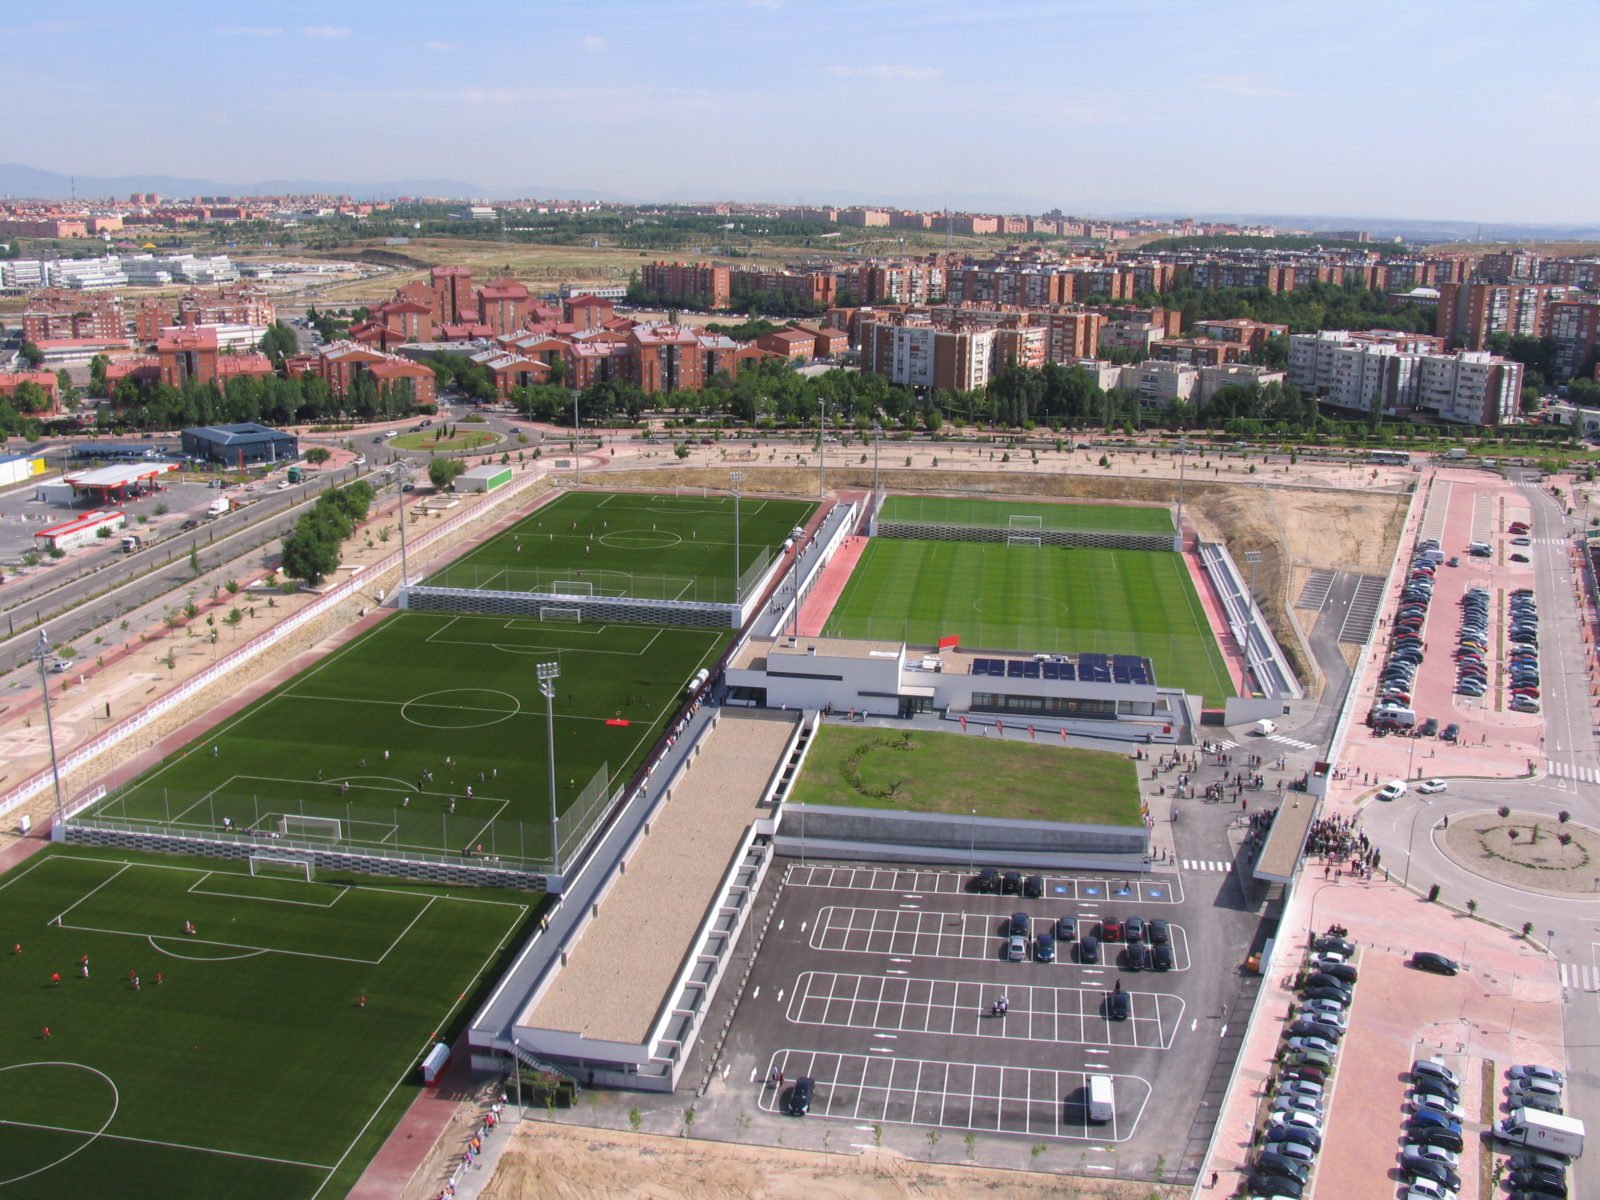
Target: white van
[(1266, 728)]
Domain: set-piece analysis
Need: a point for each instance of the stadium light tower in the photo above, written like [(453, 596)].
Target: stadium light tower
[(736, 477), (548, 673), (877, 430), (822, 449), (57, 829)]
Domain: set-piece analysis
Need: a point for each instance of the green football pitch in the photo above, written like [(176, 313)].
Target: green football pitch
[(244, 1063), (1063, 600), (1043, 514), (657, 547), (428, 734)]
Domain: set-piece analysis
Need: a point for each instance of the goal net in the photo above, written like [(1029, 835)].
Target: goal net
[(698, 492), (572, 587), (1016, 521), (1022, 539), (280, 867), (552, 612), (329, 829)]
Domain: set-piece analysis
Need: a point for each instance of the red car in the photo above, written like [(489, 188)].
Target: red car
[(1110, 930)]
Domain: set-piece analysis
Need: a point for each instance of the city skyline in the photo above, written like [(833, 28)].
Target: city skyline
[(1235, 107)]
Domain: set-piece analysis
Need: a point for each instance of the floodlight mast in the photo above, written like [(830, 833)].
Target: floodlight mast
[(547, 674), (58, 830), (736, 477)]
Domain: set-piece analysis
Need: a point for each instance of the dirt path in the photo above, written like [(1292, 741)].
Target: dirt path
[(562, 1162)]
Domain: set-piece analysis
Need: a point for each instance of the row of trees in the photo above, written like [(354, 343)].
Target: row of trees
[(311, 550), (271, 400)]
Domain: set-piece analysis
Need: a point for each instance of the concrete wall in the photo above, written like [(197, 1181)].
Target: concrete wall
[(488, 602), (1047, 537), (829, 831)]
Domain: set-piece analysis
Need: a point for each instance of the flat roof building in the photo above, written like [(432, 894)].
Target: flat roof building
[(241, 444)]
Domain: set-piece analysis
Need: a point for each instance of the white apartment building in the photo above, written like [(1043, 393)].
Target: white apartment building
[(1357, 372), (1472, 387), (1106, 375), (1138, 336), (1161, 384), (1213, 379), (86, 274), (22, 274)]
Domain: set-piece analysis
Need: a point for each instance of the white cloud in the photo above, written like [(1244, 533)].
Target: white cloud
[(595, 44), (1248, 86), (255, 31), (901, 71), (326, 31), (440, 46)]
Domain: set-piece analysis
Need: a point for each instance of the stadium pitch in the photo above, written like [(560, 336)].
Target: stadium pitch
[(1026, 515), (263, 1056), (1036, 598), (428, 734), (647, 546)]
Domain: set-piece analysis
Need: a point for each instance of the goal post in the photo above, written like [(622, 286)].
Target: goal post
[(330, 829), (1022, 539), (572, 587), (1023, 521), (279, 866), (555, 612)]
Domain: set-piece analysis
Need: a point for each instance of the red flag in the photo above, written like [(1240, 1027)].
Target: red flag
[(616, 721), (946, 642)]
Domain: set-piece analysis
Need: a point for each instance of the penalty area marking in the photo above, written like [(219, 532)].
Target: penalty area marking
[(208, 958)]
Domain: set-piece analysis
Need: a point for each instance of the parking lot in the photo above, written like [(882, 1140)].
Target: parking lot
[(880, 985)]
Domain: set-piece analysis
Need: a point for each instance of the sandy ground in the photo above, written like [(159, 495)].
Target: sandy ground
[(550, 1161)]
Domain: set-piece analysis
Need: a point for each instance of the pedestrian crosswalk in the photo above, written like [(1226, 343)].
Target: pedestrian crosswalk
[(1582, 976), (1289, 741), (1224, 744), (1548, 541), (1202, 864), (1563, 770)]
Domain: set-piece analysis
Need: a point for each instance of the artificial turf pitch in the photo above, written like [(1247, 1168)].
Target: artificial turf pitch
[(250, 1069), (364, 736), (650, 546), (961, 510), (1036, 598)]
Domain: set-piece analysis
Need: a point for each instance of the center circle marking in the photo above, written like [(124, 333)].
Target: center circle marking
[(460, 708)]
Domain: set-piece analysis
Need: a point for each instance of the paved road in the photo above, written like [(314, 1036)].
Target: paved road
[(156, 571), (1408, 830)]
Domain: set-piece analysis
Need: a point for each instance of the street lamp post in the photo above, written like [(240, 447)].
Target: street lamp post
[(1411, 839), (577, 435), (736, 477), (822, 448), (877, 429), (547, 674), (57, 828)]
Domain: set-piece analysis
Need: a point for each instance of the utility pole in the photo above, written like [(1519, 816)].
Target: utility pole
[(547, 674), (58, 830), (736, 477), (822, 449)]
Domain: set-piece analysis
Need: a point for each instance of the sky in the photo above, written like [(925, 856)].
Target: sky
[(1444, 109)]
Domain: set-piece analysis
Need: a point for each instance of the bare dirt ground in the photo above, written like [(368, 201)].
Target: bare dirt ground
[(560, 1162)]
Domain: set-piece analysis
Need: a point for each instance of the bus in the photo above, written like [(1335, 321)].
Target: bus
[(1393, 458)]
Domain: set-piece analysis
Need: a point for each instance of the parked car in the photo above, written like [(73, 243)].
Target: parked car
[(1119, 1005), (1089, 949), (1322, 1045), (986, 880), (1110, 930), (799, 1101), (1044, 948), (1136, 956), (1328, 944), (1427, 960), (1033, 887), (1133, 929), (1066, 929), (1535, 1071), (1161, 956), (1434, 1068), (1159, 932)]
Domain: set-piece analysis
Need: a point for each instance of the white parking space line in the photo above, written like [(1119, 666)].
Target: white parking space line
[(954, 1008), (1033, 1101), (970, 936), (918, 885)]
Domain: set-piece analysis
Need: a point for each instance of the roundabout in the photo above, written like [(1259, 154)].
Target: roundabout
[(1524, 849)]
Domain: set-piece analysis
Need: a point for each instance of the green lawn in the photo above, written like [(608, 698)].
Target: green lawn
[(1061, 600), (351, 737), (957, 774), (464, 439), (660, 547), (250, 1070), (954, 510)]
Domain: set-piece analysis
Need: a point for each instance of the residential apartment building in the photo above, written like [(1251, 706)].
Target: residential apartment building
[(1196, 351), (1575, 326), (1470, 312), (451, 295), (1472, 387), (1134, 337), (53, 314), (1006, 284), (342, 363), (1072, 334), (811, 289), (238, 304), (694, 285), (921, 355), (1214, 379), (901, 283), (1251, 336), (503, 305), (1399, 375), (1161, 384)]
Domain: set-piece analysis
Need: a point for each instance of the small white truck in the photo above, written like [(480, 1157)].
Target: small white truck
[(1542, 1131), (1102, 1102), (218, 507)]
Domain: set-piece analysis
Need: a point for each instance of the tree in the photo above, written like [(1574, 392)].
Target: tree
[(309, 555), (279, 343), (30, 398), (97, 374), (31, 355), (442, 472), (316, 455)]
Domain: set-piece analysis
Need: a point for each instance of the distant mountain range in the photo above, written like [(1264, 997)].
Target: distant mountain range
[(24, 182)]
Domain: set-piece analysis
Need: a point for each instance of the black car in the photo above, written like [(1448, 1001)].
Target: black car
[(1324, 979), (1137, 956), (1118, 1005), (986, 880), (1033, 887), (1311, 1027), (1327, 993), (1427, 960), (1089, 949), (1428, 1085), (799, 1102), (1540, 1179), (1436, 1135), (1161, 956), (1261, 1184), (1066, 929), (1426, 1168), (1158, 932), (1011, 883), (1334, 945), (1451, 732), (1133, 929), (1295, 1133), (1021, 924), (1269, 1162)]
